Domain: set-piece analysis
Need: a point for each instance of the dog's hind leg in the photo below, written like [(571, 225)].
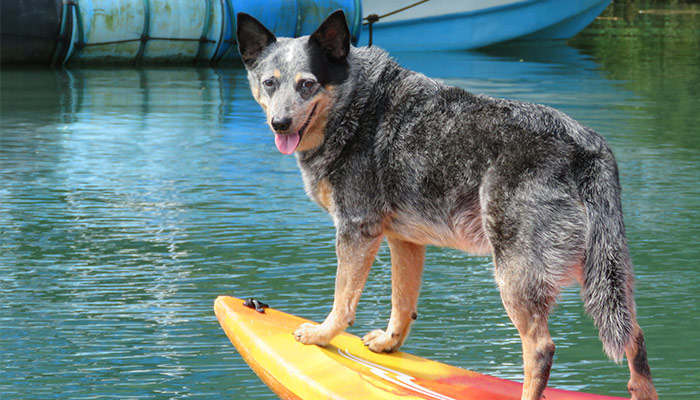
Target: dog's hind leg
[(407, 261), (528, 304), (538, 232), (640, 385)]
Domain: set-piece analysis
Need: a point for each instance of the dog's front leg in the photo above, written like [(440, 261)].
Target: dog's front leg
[(356, 252), (407, 261)]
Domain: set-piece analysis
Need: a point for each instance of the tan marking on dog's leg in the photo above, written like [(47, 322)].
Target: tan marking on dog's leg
[(355, 257), (640, 385), (407, 260), (530, 316), (324, 195), (538, 353), (538, 350)]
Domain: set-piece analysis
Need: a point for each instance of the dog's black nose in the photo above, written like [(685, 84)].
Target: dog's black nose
[(281, 125)]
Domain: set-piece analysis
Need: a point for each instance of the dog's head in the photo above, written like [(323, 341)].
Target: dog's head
[(294, 79)]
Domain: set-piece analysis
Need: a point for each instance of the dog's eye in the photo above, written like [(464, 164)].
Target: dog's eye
[(308, 83), (268, 83)]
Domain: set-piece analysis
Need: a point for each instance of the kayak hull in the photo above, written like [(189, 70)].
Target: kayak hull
[(346, 369)]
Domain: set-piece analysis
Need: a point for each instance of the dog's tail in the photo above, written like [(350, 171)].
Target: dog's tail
[(607, 287)]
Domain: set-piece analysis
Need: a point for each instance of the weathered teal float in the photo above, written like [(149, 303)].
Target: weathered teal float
[(63, 31)]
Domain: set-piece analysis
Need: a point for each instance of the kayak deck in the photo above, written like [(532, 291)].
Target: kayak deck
[(346, 369)]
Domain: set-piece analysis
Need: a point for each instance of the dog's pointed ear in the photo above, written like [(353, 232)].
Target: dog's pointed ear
[(252, 37), (333, 36)]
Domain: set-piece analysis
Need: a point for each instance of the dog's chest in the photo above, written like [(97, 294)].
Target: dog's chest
[(318, 189)]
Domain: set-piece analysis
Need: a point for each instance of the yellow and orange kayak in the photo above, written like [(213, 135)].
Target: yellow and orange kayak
[(346, 369)]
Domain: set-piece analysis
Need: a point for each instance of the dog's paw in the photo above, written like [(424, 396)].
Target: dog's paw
[(641, 389), (312, 334), (382, 342)]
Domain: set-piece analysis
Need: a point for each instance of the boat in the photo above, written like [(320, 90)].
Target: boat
[(346, 369), (445, 25), (133, 31)]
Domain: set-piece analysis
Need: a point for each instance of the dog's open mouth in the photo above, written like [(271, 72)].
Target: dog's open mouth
[(287, 143)]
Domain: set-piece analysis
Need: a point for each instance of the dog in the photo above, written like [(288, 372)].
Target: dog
[(390, 153)]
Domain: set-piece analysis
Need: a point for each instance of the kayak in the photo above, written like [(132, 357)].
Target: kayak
[(346, 369)]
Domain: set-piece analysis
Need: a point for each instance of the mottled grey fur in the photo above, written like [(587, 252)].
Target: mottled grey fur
[(411, 158)]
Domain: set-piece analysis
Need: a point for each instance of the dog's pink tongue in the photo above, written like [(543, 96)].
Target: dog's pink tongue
[(286, 144)]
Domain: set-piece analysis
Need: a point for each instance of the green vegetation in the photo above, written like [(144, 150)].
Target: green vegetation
[(654, 48)]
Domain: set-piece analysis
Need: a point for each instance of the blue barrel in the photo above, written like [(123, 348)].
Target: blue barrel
[(30, 30), (291, 18), (118, 31)]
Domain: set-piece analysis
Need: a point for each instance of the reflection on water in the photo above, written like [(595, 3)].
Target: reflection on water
[(131, 198)]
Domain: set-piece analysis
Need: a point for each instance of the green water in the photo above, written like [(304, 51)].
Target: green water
[(131, 198)]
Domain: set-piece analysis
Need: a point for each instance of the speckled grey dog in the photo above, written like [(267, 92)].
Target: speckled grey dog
[(392, 153)]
